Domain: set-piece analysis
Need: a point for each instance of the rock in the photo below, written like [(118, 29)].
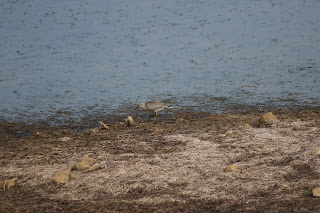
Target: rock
[(232, 168), (99, 129), (316, 192), (285, 186), (129, 121), (268, 119), (233, 133), (61, 176), (93, 168), (317, 152), (12, 182), (86, 165), (7, 184), (103, 126), (247, 126), (64, 139), (221, 135), (3, 184), (180, 120)]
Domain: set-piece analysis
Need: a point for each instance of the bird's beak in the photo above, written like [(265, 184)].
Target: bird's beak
[(136, 107)]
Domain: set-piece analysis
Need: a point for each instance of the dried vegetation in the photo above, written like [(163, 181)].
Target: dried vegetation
[(176, 165)]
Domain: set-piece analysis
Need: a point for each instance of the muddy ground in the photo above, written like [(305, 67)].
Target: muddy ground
[(170, 165)]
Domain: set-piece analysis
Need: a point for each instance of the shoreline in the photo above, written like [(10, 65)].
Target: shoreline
[(177, 164), (63, 119)]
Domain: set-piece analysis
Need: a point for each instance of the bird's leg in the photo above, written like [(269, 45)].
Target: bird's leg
[(155, 115)]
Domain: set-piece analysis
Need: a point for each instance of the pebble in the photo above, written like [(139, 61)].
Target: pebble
[(61, 176), (317, 152), (247, 126), (64, 139), (86, 165), (268, 119), (129, 121), (7, 184), (316, 192), (232, 168), (221, 135)]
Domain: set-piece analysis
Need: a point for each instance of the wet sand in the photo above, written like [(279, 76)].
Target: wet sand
[(170, 165)]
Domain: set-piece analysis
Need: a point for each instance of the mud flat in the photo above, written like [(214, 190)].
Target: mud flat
[(193, 162)]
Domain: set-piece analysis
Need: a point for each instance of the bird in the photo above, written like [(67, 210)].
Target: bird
[(154, 106)]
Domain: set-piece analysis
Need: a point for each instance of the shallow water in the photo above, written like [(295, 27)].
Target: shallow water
[(74, 58)]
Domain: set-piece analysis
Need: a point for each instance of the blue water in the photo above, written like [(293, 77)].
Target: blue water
[(80, 57)]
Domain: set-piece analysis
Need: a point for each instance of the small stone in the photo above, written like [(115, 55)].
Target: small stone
[(86, 165), (103, 126), (232, 168), (12, 182), (221, 135), (268, 119), (180, 120), (247, 126), (93, 168), (64, 139), (317, 152), (7, 184), (233, 133), (285, 186), (129, 121), (61, 176), (316, 192)]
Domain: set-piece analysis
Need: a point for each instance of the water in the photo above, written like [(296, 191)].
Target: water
[(72, 58)]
